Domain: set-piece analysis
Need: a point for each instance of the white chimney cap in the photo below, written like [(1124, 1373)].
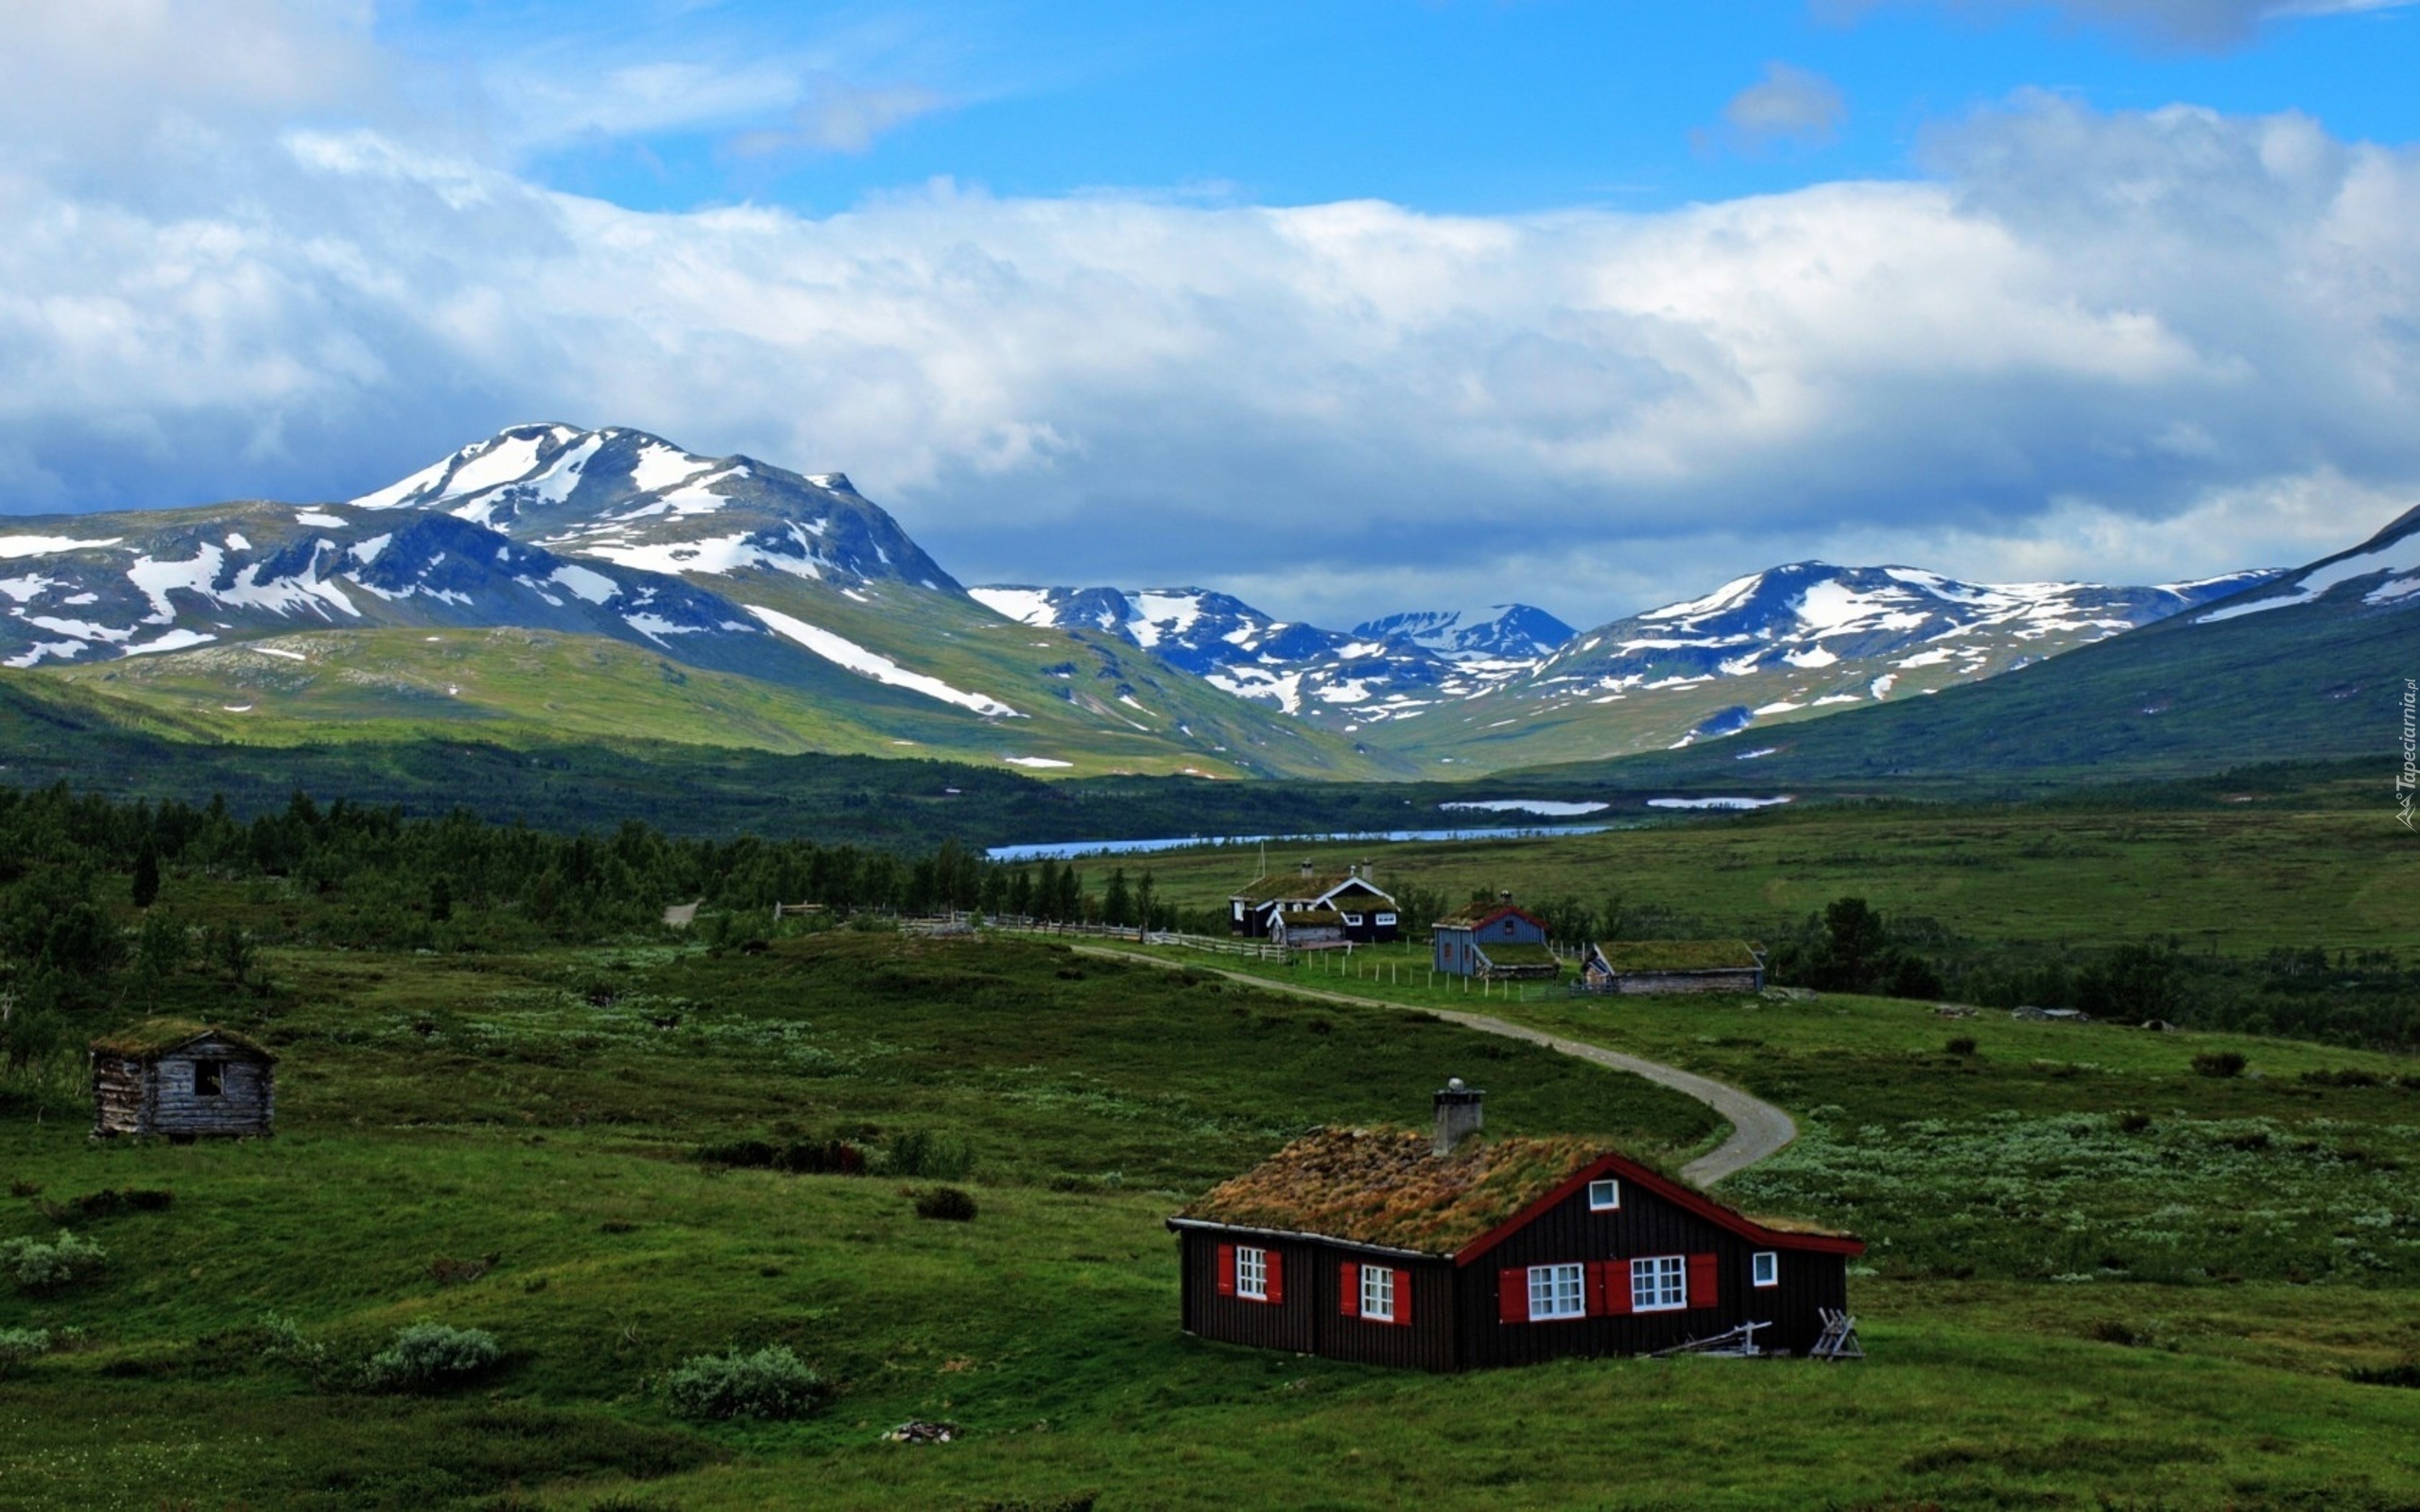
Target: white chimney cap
[(1453, 1084)]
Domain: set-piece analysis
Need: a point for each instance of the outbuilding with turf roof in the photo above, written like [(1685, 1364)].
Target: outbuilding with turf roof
[(1453, 1251), (1653, 965), (183, 1079)]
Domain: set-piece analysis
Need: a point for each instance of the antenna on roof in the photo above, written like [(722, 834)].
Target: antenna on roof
[(1264, 858)]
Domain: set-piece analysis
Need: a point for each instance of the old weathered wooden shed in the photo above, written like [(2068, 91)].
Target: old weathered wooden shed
[(183, 1079), (1372, 1245), (1672, 966)]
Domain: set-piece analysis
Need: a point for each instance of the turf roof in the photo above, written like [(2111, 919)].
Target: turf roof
[(1679, 955), (1294, 884), (1477, 914), (1519, 956), (1385, 1187), (153, 1037)]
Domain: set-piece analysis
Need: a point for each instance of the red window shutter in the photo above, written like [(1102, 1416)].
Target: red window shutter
[(1276, 1264), (1703, 1289), (1226, 1270), (1513, 1296), (1614, 1283), (1348, 1289), (1403, 1298)]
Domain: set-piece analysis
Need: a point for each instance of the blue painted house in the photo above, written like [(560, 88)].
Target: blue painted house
[(1499, 942)]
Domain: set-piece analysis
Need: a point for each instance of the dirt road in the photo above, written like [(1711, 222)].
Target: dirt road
[(1757, 1128)]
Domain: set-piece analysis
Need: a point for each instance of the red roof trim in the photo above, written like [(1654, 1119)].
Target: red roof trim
[(1680, 1196)]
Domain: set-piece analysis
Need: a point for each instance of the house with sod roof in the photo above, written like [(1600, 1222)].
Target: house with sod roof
[(1672, 966), (1496, 940), (1294, 907), (181, 1079), (1450, 1251)]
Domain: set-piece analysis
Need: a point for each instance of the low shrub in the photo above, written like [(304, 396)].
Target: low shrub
[(833, 1156), (948, 1204), (1962, 1045), (2406, 1374), (2132, 1121), (2344, 1077), (279, 1339), (918, 1152), (37, 1266), (430, 1356), (771, 1384), (25, 1189), (17, 1346), (109, 1203), (2220, 1063)]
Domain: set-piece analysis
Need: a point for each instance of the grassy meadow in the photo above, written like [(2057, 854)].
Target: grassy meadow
[(2099, 1277)]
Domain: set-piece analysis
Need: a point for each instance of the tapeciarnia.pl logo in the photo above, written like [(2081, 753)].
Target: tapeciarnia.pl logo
[(2406, 780)]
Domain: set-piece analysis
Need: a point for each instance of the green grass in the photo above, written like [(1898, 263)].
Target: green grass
[(2239, 879), (2064, 1307)]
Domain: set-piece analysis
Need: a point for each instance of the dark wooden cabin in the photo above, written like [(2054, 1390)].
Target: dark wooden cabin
[(1499, 942), (1672, 966), (184, 1081), (1365, 912), (1371, 1245)]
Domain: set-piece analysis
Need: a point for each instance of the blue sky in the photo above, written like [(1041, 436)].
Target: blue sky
[(1470, 106), (1346, 308)]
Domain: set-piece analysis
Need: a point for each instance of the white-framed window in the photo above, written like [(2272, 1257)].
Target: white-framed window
[(1239, 910), (1558, 1291), (1378, 1293), (1658, 1283), (1354, 920), (1385, 919), (1252, 1273), (1604, 1196), (1764, 1269)]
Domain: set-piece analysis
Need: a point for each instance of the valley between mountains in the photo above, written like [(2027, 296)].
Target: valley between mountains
[(553, 583)]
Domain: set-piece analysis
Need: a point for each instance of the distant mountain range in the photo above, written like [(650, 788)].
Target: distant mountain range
[(2305, 665), (557, 582), (1400, 663), (1514, 684)]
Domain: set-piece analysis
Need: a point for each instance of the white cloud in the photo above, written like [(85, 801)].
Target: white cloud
[(1788, 105), (2196, 25), (2180, 339), (839, 116)]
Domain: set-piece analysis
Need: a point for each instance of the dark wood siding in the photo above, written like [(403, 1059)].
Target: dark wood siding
[(1292, 1324), (1644, 1225), (1426, 1343)]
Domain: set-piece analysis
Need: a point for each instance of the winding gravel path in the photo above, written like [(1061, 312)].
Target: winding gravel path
[(1757, 1128)]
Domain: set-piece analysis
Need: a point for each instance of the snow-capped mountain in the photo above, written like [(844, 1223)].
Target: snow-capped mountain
[(540, 526), (1798, 640), (2382, 571), (1385, 669), (627, 497), (1500, 632), (724, 563)]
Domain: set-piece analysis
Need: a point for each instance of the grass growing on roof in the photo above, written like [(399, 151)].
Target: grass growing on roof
[(1387, 1186)]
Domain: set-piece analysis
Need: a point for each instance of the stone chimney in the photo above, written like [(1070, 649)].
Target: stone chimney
[(1504, 897), (1369, 870), (1306, 871), (1457, 1115)]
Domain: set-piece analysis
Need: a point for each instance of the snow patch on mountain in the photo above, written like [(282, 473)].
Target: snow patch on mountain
[(2397, 557), (842, 651)]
